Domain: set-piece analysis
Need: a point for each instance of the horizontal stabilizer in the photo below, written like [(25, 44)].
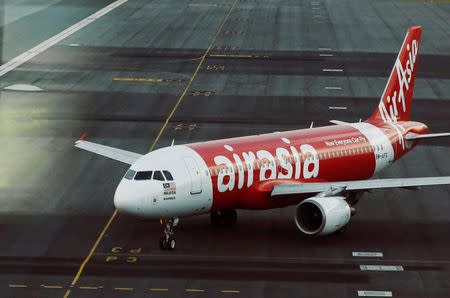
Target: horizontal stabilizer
[(330, 187), (411, 137), (337, 122)]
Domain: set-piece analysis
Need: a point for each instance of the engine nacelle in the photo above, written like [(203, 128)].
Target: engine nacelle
[(322, 215)]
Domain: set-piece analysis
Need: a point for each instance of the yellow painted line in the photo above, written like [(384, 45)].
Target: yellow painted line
[(124, 289), (194, 290), (100, 237), (231, 291), (88, 288), (159, 289), (147, 80), (51, 287), (91, 252), (191, 80), (17, 286)]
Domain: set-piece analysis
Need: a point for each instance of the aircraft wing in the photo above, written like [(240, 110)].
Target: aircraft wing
[(411, 137), (333, 187), (124, 156)]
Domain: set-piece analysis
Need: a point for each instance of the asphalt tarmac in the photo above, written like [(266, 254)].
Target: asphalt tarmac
[(266, 68)]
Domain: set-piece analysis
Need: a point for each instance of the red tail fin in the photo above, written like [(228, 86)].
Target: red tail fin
[(395, 103)]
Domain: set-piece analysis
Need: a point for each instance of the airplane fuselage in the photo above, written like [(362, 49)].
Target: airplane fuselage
[(239, 173)]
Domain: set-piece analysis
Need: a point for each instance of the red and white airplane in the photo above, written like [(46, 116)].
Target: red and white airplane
[(323, 170)]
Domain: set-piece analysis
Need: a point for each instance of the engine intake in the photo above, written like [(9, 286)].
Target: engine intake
[(322, 215)]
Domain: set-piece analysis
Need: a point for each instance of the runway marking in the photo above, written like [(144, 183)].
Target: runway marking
[(26, 56), (230, 56), (337, 108), (91, 252), (374, 293), (326, 55), (124, 289), (194, 75), (230, 291), (88, 288), (202, 4), (159, 289), (51, 287), (17, 286), (333, 88), (148, 80), (369, 254), (324, 49), (380, 268), (195, 290), (332, 70), (74, 45), (315, 8)]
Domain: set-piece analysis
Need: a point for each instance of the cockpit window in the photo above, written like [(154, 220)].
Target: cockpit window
[(158, 176), (168, 175), (146, 175), (129, 174)]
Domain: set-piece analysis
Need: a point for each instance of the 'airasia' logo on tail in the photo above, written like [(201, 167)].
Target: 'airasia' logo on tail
[(389, 108), (395, 103)]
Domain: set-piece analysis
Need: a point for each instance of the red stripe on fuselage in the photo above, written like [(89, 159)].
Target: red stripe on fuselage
[(343, 154)]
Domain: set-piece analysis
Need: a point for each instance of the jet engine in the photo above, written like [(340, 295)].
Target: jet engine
[(322, 215)]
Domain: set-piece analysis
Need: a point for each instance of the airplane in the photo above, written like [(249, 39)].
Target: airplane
[(323, 170)]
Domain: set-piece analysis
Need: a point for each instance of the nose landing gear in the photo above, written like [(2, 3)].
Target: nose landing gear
[(167, 239)]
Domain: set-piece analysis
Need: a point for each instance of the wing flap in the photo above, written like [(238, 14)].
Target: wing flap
[(124, 156), (319, 187)]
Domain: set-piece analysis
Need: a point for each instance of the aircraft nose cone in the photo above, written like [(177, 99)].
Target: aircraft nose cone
[(123, 197)]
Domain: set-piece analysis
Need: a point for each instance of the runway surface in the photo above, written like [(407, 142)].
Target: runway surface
[(255, 66)]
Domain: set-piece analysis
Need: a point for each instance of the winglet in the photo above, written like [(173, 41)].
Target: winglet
[(84, 137)]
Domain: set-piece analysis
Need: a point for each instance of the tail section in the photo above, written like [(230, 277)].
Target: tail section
[(395, 103)]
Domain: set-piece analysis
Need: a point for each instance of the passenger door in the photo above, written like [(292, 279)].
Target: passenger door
[(194, 173)]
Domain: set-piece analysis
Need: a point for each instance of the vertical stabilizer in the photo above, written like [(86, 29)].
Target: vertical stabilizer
[(395, 103)]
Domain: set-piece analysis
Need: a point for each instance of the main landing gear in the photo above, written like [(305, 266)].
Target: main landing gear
[(167, 240), (224, 218)]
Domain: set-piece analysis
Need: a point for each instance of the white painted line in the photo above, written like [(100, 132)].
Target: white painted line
[(337, 108), (374, 293), (24, 57), (370, 254), (315, 3), (380, 268), (22, 87), (74, 45), (332, 88), (324, 49), (326, 55), (315, 7), (332, 70)]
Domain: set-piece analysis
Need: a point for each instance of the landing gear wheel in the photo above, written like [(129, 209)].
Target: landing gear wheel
[(167, 239), (171, 243), (224, 218)]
